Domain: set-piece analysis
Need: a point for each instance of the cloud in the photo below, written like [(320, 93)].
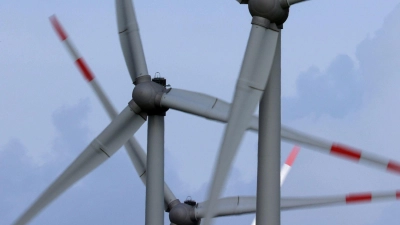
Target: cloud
[(72, 132), (357, 105), (342, 88), (15, 174), (335, 91), (19, 170), (379, 56)]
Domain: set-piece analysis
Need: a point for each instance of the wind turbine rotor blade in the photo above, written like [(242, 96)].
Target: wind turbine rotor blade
[(247, 204), (83, 67), (288, 163), (129, 37), (199, 104), (228, 206), (195, 103), (252, 80), (212, 108), (99, 150), (216, 109), (340, 150), (202, 105), (353, 198), (134, 150)]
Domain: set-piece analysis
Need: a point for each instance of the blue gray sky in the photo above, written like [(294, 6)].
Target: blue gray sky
[(340, 66)]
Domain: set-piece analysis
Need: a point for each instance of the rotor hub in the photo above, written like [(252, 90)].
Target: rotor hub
[(147, 95), (183, 214)]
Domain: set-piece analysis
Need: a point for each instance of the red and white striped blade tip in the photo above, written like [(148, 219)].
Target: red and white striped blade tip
[(357, 155), (80, 62), (292, 156), (57, 26)]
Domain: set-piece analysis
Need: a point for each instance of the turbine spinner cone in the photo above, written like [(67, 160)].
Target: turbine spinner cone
[(147, 95)]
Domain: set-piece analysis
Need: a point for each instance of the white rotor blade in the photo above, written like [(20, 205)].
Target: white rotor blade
[(216, 109), (286, 168), (129, 37), (367, 197), (336, 149), (82, 66), (247, 204), (99, 150), (288, 163), (228, 206), (134, 150), (252, 80), (202, 105)]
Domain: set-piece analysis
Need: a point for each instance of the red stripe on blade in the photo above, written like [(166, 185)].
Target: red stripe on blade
[(397, 194), (352, 198), (58, 28), (346, 152), (393, 166), (292, 155), (84, 69)]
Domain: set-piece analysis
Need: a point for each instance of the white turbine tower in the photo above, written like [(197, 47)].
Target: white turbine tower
[(259, 80)]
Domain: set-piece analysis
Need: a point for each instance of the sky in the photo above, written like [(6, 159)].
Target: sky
[(339, 82)]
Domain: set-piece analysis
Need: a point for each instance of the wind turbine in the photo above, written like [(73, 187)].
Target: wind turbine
[(125, 125)]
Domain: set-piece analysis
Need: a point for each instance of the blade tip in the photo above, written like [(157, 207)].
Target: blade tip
[(57, 26), (292, 156)]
